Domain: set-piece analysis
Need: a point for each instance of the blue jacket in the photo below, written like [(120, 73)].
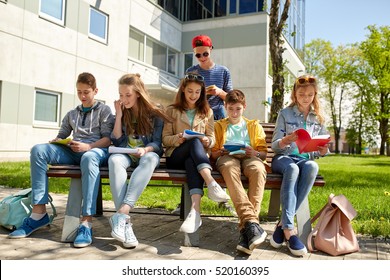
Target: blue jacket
[(154, 139), (290, 119)]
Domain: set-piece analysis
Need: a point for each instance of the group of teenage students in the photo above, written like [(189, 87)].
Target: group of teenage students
[(139, 123)]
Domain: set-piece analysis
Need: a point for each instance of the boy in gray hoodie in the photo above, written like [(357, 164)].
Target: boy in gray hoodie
[(91, 124)]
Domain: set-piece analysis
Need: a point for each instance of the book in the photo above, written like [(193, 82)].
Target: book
[(306, 143), (62, 141), (233, 146), (189, 134), (122, 150), (237, 152)]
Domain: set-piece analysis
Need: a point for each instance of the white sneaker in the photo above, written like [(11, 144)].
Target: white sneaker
[(192, 222), (216, 193), (131, 240), (118, 224)]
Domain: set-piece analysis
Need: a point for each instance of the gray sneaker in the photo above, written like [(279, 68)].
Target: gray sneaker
[(227, 206), (216, 193)]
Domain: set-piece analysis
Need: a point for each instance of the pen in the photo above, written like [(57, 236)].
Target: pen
[(284, 132)]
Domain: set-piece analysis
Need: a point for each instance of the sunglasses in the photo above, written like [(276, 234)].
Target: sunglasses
[(199, 55), (194, 77), (304, 80)]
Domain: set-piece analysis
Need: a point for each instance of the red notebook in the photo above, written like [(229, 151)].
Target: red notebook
[(307, 144)]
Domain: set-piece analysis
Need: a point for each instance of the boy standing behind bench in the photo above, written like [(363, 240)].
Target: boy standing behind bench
[(250, 134), (91, 124)]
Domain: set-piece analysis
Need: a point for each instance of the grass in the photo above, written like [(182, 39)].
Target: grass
[(362, 179)]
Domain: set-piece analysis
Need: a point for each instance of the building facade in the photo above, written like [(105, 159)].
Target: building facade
[(45, 44)]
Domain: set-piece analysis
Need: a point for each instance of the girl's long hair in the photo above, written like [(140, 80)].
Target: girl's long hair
[(315, 103), (202, 105), (142, 123)]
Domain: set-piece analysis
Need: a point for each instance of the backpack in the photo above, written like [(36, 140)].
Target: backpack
[(14, 208), (333, 233)]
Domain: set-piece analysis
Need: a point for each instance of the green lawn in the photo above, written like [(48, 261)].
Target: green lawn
[(364, 180)]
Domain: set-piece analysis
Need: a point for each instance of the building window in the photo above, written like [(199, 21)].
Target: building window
[(53, 10), (98, 25), (188, 61), (136, 45), (172, 62), (147, 50), (171, 6), (47, 108)]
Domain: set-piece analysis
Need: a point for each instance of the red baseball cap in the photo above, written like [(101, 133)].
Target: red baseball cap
[(201, 41)]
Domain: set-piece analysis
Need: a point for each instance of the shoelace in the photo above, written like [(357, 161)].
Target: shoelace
[(84, 231), (129, 233), (121, 225)]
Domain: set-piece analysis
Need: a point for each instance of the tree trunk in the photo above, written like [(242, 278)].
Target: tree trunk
[(276, 52)]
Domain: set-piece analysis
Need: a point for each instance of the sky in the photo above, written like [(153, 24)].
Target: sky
[(344, 21)]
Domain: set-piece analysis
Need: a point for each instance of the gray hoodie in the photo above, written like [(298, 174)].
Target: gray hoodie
[(88, 127)]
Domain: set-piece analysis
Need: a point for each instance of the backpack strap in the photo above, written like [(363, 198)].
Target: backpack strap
[(313, 233)]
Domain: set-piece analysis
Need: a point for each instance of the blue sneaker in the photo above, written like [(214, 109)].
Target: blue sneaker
[(296, 247), (83, 238), (277, 237), (29, 226)]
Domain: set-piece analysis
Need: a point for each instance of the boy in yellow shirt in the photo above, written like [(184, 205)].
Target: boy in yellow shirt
[(241, 147)]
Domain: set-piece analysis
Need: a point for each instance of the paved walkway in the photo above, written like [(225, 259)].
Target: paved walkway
[(160, 239)]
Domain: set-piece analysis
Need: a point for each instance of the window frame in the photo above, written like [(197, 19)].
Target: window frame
[(148, 54), (50, 17), (47, 123), (94, 36)]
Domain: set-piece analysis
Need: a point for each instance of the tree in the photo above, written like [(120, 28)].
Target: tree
[(276, 48), (328, 65), (362, 125), (376, 52)]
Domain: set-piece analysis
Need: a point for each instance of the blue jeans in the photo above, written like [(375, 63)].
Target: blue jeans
[(123, 193), (90, 161), (192, 157), (299, 175)]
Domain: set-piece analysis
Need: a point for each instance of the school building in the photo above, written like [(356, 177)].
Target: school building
[(45, 44)]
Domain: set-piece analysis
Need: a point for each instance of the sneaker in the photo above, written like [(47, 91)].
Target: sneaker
[(243, 243), (130, 238), (83, 238), (255, 234), (192, 222), (277, 237), (296, 247), (29, 226), (227, 206), (118, 225), (216, 193), (177, 210)]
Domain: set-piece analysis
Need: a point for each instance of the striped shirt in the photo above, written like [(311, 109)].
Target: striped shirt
[(219, 75)]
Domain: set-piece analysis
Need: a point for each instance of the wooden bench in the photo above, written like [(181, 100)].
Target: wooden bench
[(179, 178)]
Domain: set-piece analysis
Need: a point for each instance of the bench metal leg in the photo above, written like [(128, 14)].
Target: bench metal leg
[(190, 239), (303, 221), (99, 201), (274, 205), (73, 211)]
